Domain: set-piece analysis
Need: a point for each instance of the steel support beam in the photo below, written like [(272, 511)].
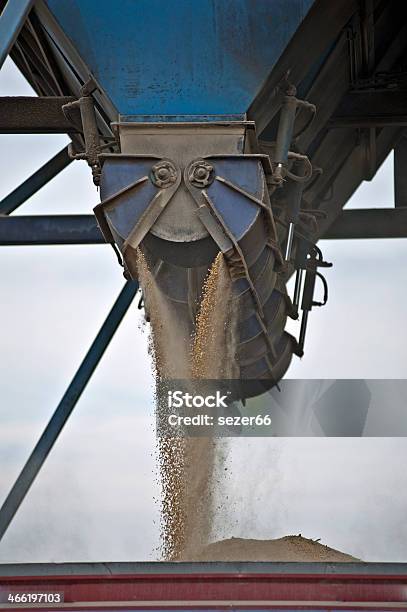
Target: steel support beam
[(369, 223), (35, 182), (400, 172), (321, 26), (371, 109), (34, 115), (344, 170), (49, 229), (83, 229), (66, 406), (12, 20)]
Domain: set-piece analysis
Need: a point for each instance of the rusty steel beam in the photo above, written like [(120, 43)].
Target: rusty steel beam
[(369, 223), (34, 115)]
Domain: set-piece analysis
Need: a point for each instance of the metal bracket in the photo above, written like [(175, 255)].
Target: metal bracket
[(89, 127), (312, 259), (285, 134)]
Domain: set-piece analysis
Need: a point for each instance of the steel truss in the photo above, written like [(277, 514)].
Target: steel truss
[(43, 115)]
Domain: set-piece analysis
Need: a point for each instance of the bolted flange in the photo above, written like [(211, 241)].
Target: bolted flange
[(163, 174), (201, 174)]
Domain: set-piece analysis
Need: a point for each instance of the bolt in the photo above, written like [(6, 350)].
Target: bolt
[(163, 174), (201, 174)]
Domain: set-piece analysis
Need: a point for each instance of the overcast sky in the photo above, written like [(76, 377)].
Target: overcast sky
[(94, 499)]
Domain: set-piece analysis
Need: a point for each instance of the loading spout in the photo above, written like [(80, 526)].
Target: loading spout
[(181, 194)]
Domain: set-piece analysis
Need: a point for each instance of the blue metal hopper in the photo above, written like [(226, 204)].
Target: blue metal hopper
[(186, 58)]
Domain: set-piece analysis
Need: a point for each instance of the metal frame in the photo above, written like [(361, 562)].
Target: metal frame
[(12, 20), (353, 140), (44, 115), (359, 99), (83, 229), (66, 406), (34, 183), (31, 115)]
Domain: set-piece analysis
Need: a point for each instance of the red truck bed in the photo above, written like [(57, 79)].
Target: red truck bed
[(208, 586)]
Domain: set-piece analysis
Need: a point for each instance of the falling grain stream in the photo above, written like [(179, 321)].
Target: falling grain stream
[(186, 465)]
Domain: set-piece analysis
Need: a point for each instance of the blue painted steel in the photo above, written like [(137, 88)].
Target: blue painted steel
[(181, 118), (125, 210), (66, 406), (189, 57), (37, 180), (11, 21), (238, 212), (21, 230)]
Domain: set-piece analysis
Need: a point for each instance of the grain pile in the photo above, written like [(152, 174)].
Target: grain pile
[(289, 548), (186, 465)]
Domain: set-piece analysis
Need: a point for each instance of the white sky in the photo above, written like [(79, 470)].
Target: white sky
[(94, 499)]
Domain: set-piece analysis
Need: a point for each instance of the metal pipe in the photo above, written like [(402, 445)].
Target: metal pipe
[(294, 201), (12, 20), (303, 330), (290, 238), (285, 129), (66, 406), (307, 301), (284, 137), (297, 288)]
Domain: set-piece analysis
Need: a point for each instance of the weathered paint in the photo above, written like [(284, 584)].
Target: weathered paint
[(155, 57)]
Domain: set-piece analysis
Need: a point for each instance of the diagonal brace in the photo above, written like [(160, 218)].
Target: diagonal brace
[(12, 19), (66, 406), (34, 183)]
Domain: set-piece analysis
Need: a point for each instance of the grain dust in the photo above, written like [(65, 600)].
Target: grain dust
[(214, 339), (186, 465)]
